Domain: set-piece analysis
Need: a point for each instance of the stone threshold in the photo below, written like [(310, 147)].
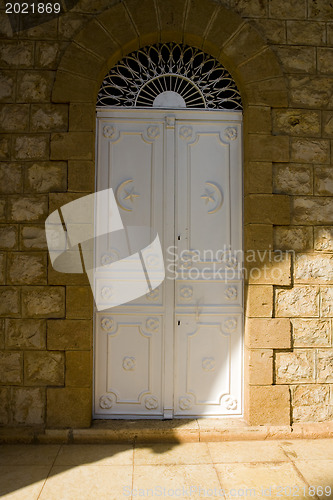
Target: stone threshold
[(165, 431)]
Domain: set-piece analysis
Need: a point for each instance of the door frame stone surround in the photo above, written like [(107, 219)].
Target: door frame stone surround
[(127, 26)]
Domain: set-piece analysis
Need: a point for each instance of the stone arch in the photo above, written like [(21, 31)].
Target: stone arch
[(130, 24)]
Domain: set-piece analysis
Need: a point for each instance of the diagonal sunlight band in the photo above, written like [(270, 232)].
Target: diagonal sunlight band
[(122, 263)]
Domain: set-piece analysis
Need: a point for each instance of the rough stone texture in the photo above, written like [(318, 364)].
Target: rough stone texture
[(297, 301), (14, 118), (315, 413), (312, 210), (325, 60), (323, 239), (49, 118), (81, 176), (310, 150), (2, 268), (7, 87), (32, 237), (9, 301), (293, 238), (28, 208), (293, 367), (11, 368), (28, 405), (260, 367), (323, 181), (69, 407), (313, 268), (43, 302), (326, 301), (3, 205), (27, 269), (46, 176), (46, 54), (292, 179), (72, 146), (16, 54), (296, 122), (8, 237), (10, 178), (4, 406), (79, 302), (259, 301), (325, 366), (311, 333), (311, 91), (310, 394), (287, 10), (327, 119), (297, 59), (44, 368), (268, 405), (78, 369), (306, 33), (268, 268), (34, 86), (31, 147), (262, 333), (267, 209), (25, 334), (69, 335)]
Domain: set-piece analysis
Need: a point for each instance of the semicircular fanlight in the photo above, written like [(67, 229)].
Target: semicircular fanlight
[(155, 74)]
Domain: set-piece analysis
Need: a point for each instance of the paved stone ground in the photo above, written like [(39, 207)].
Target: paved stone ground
[(234, 469)]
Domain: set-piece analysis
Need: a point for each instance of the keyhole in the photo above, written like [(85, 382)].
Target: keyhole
[(178, 237), (178, 323)]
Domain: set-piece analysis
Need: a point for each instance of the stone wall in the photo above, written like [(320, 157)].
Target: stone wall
[(280, 53)]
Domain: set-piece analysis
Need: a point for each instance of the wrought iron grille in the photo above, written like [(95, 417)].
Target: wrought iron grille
[(139, 78)]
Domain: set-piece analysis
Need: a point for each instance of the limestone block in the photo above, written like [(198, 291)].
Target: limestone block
[(262, 66), (326, 301), (254, 9), (7, 86), (28, 405), (84, 90), (79, 61), (78, 369), (287, 10), (300, 301), (3, 205), (28, 208), (57, 200), (243, 45), (297, 366), (70, 23), (267, 209), (27, 268), (272, 333), (323, 238), (14, 118), (119, 25), (268, 148), (96, 38), (5, 147), (320, 10), (323, 181), (2, 333), (72, 146), (324, 366), (10, 178), (268, 405), (8, 237), (292, 178), (42, 31), (327, 118), (25, 334), (69, 335), (82, 117), (325, 60), (329, 34), (81, 176), (43, 302), (296, 122), (313, 268), (310, 91), (310, 150), (296, 238), (259, 301), (34, 86), (198, 16), (311, 333), (257, 119), (57, 278), (306, 33), (49, 117), (260, 366), (69, 407), (11, 367), (258, 177), (312, 211), (297, 59), (309, 394), (32, 237), (273, 29), (31, 147), (9, 301), (4, 405), (271, 92), (46, 54), (268, 268), (258, 236), (315, 413), (45, 177), (3, 260), (79, 302), (16, 54), (44, 368)]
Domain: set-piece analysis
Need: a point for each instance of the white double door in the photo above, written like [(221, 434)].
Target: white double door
[(176, 351)]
